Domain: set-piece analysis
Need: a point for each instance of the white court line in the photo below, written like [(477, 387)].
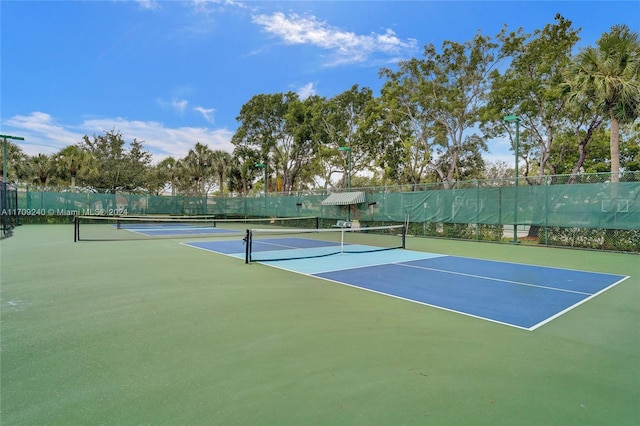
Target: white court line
[(416, 301), (498, 279), (564, 311)]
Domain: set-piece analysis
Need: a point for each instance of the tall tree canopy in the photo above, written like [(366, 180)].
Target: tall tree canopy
[(430, 123), (71, 161), (344, 121), (609, 76), (117, 168), (434, 103), (270, 127), (530, 88)]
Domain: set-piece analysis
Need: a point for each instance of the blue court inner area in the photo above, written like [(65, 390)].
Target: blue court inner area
[(518, 295), (174, 229)]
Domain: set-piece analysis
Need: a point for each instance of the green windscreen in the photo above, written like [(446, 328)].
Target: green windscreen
[(588, 205)]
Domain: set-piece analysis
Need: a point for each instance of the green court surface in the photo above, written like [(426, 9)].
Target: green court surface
[(155, 332)]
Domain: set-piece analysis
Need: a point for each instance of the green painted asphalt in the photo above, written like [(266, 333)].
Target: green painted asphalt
[(154, 332)]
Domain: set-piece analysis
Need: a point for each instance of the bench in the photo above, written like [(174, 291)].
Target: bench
[(342, 224)]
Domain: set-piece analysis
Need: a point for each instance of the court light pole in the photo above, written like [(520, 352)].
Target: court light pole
[(510, 119)]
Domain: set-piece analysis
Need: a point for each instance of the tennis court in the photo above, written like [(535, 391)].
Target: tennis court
[(105, 228), (150, 230), (150, 331), (518, 295)]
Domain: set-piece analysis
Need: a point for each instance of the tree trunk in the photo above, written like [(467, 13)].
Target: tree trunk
[(615, 150)]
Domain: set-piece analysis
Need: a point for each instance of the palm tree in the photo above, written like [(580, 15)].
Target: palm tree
[(41, 169), (197, 166), (69, 161), (167, 171), (16, 162), (609, 75), (221, 163)]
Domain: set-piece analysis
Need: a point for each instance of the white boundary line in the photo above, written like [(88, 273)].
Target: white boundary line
[(534, 265), (414, 301), (564, 311), (499, 279)]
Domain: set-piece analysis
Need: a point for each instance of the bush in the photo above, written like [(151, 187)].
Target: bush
[(595, 239)]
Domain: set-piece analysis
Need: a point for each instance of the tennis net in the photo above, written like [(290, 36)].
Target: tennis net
[(113, 228), (263, 245)]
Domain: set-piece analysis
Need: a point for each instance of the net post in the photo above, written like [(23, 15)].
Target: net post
[(317, 222), (75, 228), (247, 249), (404, 237)]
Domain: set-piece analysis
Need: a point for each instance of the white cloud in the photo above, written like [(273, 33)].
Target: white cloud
[(209, 6), (175, 104), (44, 135), (207, 113), (148, 4), (307, 90), (347, 47), (179, 105), (204, 16), (41, 133), (163, 141)]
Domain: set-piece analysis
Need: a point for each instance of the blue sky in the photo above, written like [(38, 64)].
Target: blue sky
[(173, 73)]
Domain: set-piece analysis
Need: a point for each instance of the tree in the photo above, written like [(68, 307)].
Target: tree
[(116, 167), (598, 152), (221, 164), (433, 103), (498, 170), (41, 170), (470, 164), (609, 74), (270, 128), (344, 121), (195, 171), (302, 162), (138, 165), (161, 175), (70, 161), (16, 159), (165, 172), (243, 169), (630, 151), (531, 89)]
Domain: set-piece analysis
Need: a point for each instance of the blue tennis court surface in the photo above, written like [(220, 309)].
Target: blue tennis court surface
[(518, 295), (169, 229)]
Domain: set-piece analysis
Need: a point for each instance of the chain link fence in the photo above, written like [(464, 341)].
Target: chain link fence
[(8, 209), (586, 211)]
